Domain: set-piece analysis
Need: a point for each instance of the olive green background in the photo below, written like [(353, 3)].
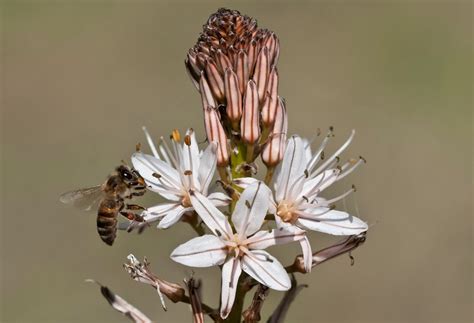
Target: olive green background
[(80, 78)]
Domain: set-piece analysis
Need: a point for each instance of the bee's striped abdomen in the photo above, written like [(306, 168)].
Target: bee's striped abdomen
[(107, 219)]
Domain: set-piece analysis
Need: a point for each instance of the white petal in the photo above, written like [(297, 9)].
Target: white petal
[(219, 199), (172, 217), (204, 251), (214, 219), (207, 167), (333, 222), (266, 269), (265, 239), (230, 278), (292, 169), (251, 209), (190, 157), (244, 182), (159, 211), (307, 254), (148, 165)]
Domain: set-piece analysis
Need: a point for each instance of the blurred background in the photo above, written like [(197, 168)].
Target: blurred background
[(80, 78)]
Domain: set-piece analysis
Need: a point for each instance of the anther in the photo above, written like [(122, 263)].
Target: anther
[(188, 172), (218, 233), (354, 188), (138, 147), (175, 135), (365, 161), (247, 204), (156, 175), (187, 140)]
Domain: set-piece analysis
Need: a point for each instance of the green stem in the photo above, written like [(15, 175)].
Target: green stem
[(269, 175)]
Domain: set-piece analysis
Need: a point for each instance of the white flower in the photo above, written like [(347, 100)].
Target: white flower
[(173, 171), (241, 250), (298, 183)]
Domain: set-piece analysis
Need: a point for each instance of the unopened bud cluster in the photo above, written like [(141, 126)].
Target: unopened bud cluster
[(234, 67)]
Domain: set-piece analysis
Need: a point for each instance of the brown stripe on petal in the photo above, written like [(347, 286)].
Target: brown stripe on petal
[(215, 133), (223, 62), (261, 73), (250, 125), (233, 95), (242, 70), (206, 93), (216, 83), (271, 101), (252, 55)]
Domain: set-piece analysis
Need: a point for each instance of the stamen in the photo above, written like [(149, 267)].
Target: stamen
[(150, 143), (337, 153), (319, 153), (171, 157), (351, 169), (138, 147), (352, 190)]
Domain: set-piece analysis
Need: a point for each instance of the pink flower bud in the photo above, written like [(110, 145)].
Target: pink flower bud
[(233, 96), (216, 83), (250, 124), (215, 133), (274, 150), (206, 93), (270, 105), (262, 67)]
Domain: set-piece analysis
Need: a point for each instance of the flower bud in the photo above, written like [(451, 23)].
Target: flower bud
[(262, 67), (274, 150), (250, 124), (215, 133), (233, 95), (270, 105), (216, 83), (242, 69), (206, 94)]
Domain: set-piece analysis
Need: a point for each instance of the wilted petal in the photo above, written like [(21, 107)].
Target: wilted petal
[(204, 251), (292, 169), (332, 222), (214, 219), (265, 239), (266, 269), (251, 209), (173, 217), (230, 277)]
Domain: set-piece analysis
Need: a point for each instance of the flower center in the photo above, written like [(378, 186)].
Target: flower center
[(286, 213), (186, 200), (236, 246)]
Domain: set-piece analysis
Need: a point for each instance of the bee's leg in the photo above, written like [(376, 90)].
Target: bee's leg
[(135, 207), (140, 193)]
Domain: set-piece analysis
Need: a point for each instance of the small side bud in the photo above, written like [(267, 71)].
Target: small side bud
[(262, 69)]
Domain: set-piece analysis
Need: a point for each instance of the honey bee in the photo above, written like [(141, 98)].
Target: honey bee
[(109, 200)]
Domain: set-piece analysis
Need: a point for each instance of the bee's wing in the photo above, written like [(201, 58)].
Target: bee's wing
[(85, 199)]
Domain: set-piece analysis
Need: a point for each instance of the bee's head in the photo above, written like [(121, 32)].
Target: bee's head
[(129, 176)]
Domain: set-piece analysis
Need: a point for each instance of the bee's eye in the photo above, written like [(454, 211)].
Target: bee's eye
[(126, 174)]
